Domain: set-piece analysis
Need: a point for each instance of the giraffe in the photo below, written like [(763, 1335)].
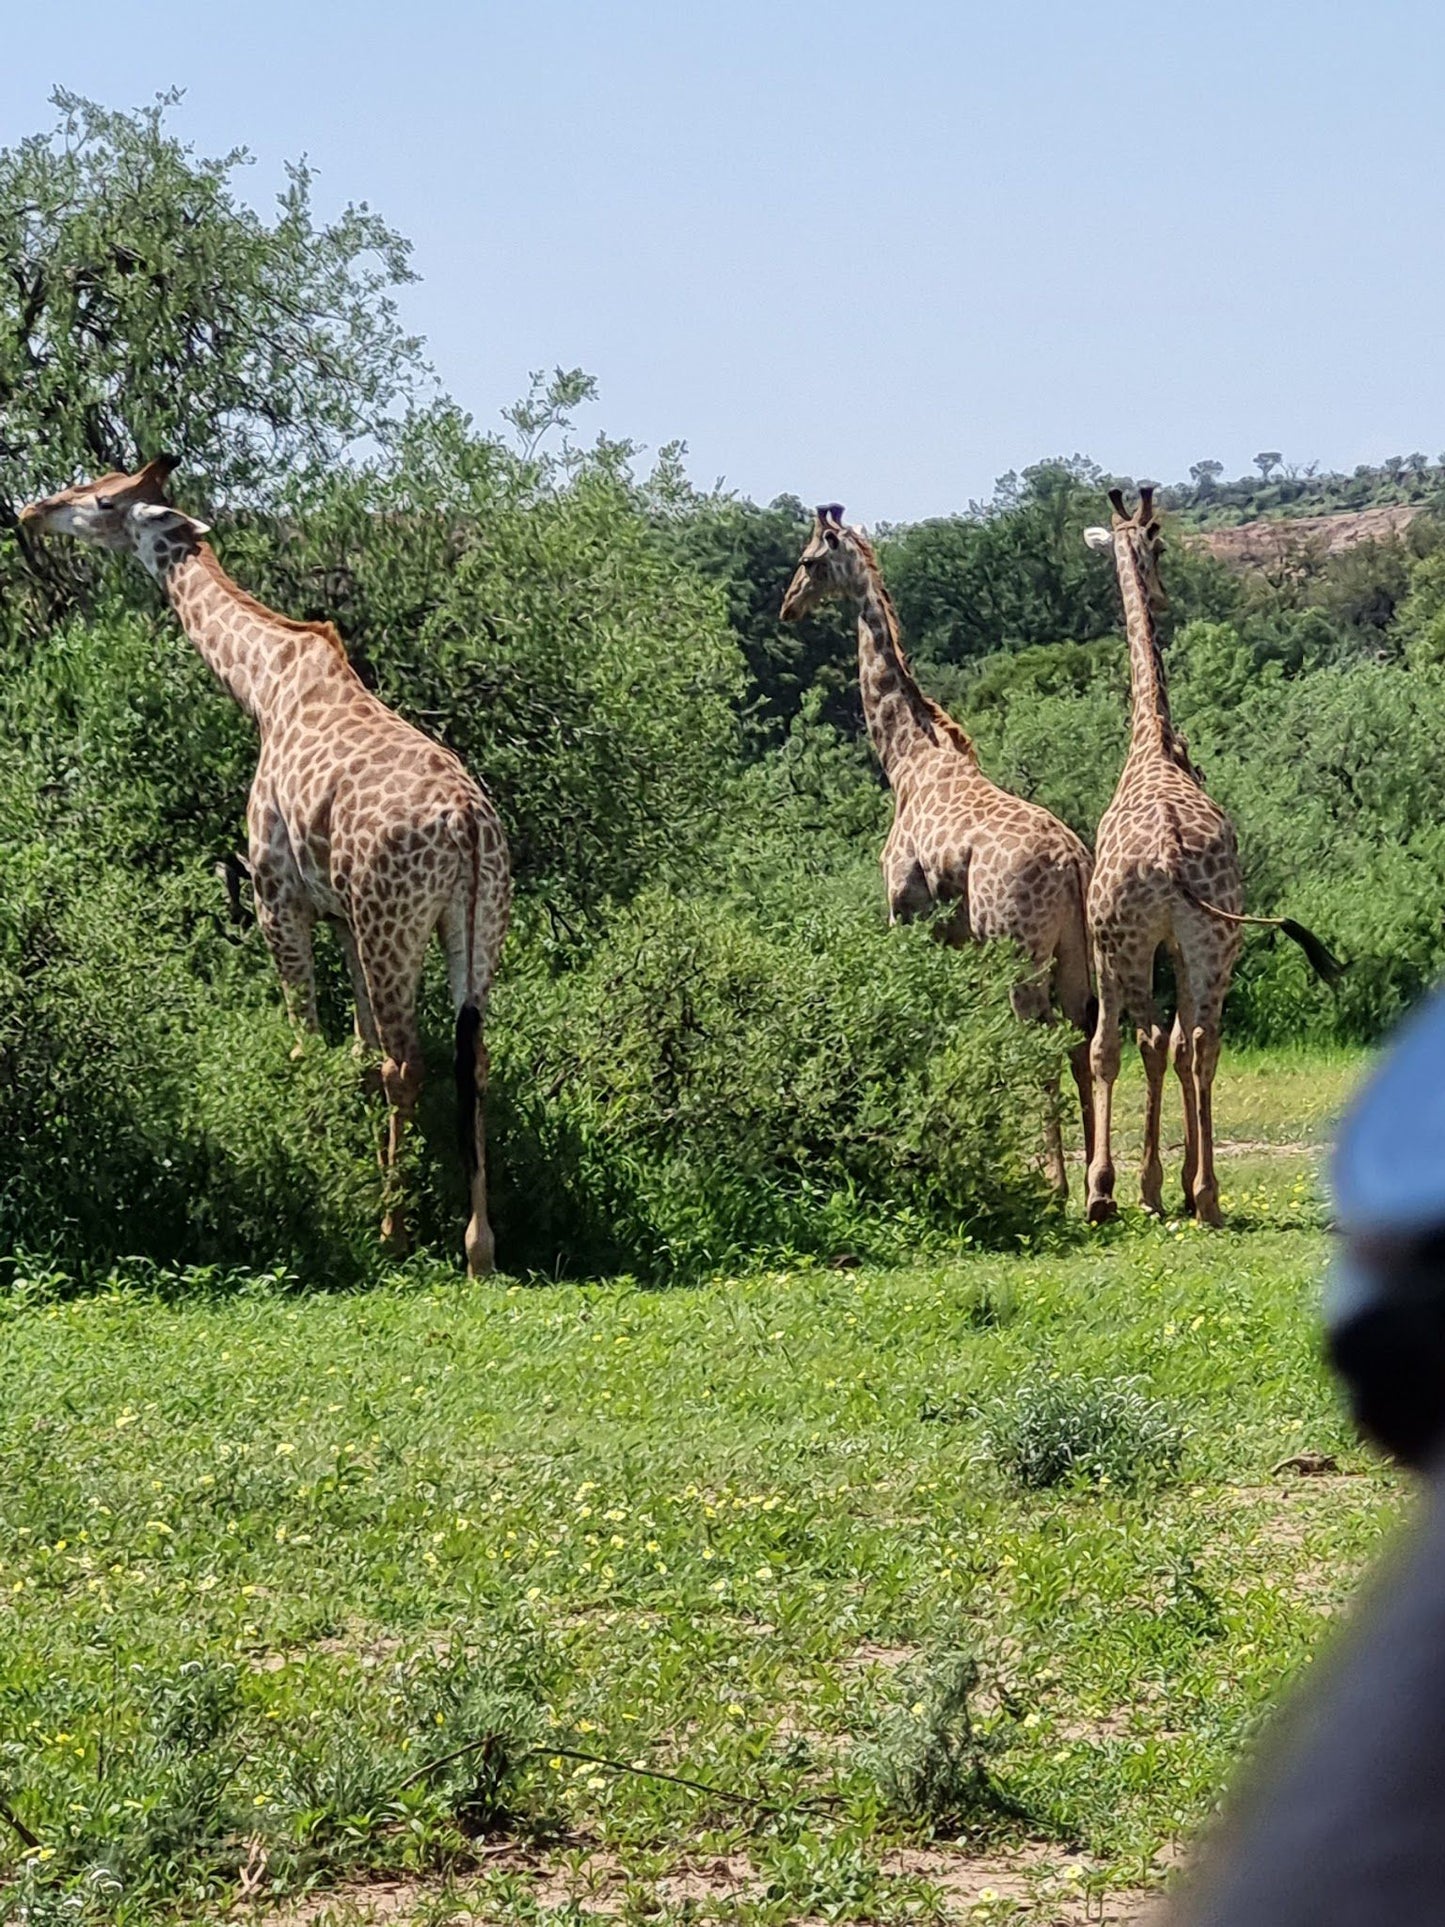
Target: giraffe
[(1011, 869), (355, 819), (1166, 871)]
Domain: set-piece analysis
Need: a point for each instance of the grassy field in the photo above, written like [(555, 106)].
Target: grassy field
[(299, 1590)]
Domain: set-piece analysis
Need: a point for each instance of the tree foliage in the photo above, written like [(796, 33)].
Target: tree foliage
[(146, 306)]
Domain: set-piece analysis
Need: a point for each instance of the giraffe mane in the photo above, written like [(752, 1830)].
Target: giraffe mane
[(326, 631), (937, 714)]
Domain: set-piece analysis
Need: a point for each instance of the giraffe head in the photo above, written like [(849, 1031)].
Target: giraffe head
[(127, 513), (1141, 532), (831, 565)]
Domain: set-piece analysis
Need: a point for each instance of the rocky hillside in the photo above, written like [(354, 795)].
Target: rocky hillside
[(1274, 541)]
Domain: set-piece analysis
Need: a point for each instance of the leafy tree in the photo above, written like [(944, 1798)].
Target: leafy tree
[(1204, 475), (1267, 461), (525, 606), (1007, 576), (145, 306), (752, 552), (1360, 588)]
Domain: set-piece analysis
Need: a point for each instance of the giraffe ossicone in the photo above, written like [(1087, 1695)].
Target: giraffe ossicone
[(355, 818), (1009, 867)]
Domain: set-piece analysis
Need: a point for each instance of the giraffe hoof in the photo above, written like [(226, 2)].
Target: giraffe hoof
[(298, 1051), (1102, 1210)]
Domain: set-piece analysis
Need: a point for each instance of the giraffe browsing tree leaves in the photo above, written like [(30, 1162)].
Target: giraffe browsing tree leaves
[(1010, 868), (355, 818)]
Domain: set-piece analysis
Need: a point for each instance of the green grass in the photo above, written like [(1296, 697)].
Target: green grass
[(267, 1558)]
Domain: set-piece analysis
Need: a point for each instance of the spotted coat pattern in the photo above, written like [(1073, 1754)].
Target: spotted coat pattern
[(1009, 868), (1164, 851), (355, 818)]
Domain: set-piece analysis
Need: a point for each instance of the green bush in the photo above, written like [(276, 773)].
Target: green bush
[(152, 1105), (1336, 781), (930, 1759), (718, 1080), (1058, 1430)]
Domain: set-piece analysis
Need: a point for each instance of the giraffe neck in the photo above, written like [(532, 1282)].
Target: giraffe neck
[(1151, 727), (248, 647), (902, 721)]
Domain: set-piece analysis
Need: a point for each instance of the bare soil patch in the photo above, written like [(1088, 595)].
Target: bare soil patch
[(1049, 1887)]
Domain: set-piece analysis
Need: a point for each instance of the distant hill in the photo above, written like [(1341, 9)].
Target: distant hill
[(1272, 540), (1208, 502)]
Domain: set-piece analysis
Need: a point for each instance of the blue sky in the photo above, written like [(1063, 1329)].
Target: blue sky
[(868, 254)]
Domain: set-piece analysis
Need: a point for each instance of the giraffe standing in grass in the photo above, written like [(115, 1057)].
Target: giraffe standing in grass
[(1011, 868), (354, 817), (1166, 871)]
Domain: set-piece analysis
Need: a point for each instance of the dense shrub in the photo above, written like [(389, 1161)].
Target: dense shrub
[(1055, 1430), (716, 1080), (930, 1757), (152, 1107)]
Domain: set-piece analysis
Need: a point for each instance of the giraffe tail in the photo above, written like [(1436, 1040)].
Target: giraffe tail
[(469, 1026), (1326, 967), (1083, 873)]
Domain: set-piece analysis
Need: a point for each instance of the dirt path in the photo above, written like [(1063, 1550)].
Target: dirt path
[(1047, 1889)]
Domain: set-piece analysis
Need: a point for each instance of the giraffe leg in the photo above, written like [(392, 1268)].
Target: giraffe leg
[(1153, 1042), (1206, 1062), (366, 1041), (391, 969), (287, 921), (283, 910), (1076, 1000), (1030, 1001), (479, 1244), (469, 974), (1181, 1045), (1104, 1069), (401, 1080)]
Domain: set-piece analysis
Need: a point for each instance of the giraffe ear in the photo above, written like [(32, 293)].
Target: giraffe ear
[(164, 519), (1099, 538)]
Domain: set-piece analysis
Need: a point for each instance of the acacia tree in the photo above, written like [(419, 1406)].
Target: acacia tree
[(144, 306)]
